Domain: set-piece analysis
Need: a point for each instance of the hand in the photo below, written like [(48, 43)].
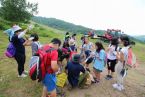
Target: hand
[(30, 27)]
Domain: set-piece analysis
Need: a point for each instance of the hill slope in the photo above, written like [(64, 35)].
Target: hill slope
[(60, 24), (141, 38)]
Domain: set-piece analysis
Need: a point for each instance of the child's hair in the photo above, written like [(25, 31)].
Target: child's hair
[(125, 40), (36, 38), (114, 41), (99, 45)]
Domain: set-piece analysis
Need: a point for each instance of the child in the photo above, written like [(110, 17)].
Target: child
[(74, 68), (35, 45), (122, 56), (111, 57), (99, 60)]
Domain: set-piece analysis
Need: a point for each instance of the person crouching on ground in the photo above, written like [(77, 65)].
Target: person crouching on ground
[(73, 69)]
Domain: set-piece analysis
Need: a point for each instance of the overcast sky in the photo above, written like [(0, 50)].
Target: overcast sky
[(127, 15)]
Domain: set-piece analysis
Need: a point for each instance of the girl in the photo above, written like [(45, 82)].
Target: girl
[(99, 61), (111, 57), (35, 45), (122, 56)]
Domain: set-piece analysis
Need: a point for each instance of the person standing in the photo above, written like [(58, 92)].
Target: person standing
[(19, 42), (49, 81), (122, 56), (87, 48), (111, 57), (99, 61)]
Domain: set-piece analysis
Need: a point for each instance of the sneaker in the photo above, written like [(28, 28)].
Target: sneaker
[(25, 72), (22, 75), (108, 77), (118, 87), (115, 85)]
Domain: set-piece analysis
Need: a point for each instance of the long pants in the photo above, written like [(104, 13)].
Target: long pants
[(20, 58), (118, 68)]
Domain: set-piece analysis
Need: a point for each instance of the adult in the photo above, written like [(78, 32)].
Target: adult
[(19, 42), (49, 81)]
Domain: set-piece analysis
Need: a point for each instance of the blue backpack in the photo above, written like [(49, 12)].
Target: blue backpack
[(11, 50)]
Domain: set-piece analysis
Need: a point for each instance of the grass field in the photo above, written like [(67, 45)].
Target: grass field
[(12, 86)]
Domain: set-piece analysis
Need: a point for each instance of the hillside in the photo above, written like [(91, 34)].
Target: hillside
[(63, 25), (12, 86), (141, 38)]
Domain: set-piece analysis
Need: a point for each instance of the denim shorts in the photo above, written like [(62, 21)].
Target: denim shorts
[(50, 82)]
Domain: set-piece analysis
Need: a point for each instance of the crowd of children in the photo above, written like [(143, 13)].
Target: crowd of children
[(78, 58)]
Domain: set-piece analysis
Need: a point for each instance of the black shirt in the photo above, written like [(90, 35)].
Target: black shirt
[(18, 43)]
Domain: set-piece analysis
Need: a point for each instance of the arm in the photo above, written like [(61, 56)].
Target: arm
[(54, 58), (27, 43), (120, 56), (22, 34), (54, 66)]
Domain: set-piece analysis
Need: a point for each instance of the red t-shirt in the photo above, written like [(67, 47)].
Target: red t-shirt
[(52, 56)]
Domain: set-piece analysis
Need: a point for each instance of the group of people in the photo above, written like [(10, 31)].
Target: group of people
[(78, 58)]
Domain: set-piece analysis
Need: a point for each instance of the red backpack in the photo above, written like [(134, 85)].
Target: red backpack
[(38, 63)]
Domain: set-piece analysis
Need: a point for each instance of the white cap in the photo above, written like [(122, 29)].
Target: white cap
[(16, 28)]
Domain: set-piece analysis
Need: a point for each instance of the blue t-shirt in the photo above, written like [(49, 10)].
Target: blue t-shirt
[(74, 70), (18, 43), (99, 62)]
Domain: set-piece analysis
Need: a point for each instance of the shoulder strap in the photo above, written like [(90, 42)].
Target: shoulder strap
[(116, 47), (70, 49)]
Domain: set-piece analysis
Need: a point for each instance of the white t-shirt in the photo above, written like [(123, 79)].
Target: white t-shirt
[(88, 46), (124, 50), (112, 53)]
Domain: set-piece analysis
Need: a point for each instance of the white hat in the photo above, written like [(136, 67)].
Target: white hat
[(16, 28)]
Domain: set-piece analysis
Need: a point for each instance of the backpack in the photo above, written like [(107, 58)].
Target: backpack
[(72, 53), (11, 50), (38, 63), (131, 58)]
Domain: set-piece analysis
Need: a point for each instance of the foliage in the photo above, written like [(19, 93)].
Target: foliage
[(17, 10)]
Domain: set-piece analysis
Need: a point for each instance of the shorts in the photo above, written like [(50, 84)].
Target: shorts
[(97, 70), (50, 82), (90, 60), (111, 64)]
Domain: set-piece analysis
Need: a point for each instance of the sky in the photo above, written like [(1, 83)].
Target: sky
[(126, 15)]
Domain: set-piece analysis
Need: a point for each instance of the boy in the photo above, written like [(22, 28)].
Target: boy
[(74, 68)]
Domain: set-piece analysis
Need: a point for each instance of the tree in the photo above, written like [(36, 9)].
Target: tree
[(17, 10)]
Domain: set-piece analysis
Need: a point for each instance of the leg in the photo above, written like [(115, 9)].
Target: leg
[(113, 64), (44, 92), (20, 61), (108, 65), (53, 93)]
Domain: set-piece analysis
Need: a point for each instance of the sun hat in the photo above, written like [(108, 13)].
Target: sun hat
[(16, 28)]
